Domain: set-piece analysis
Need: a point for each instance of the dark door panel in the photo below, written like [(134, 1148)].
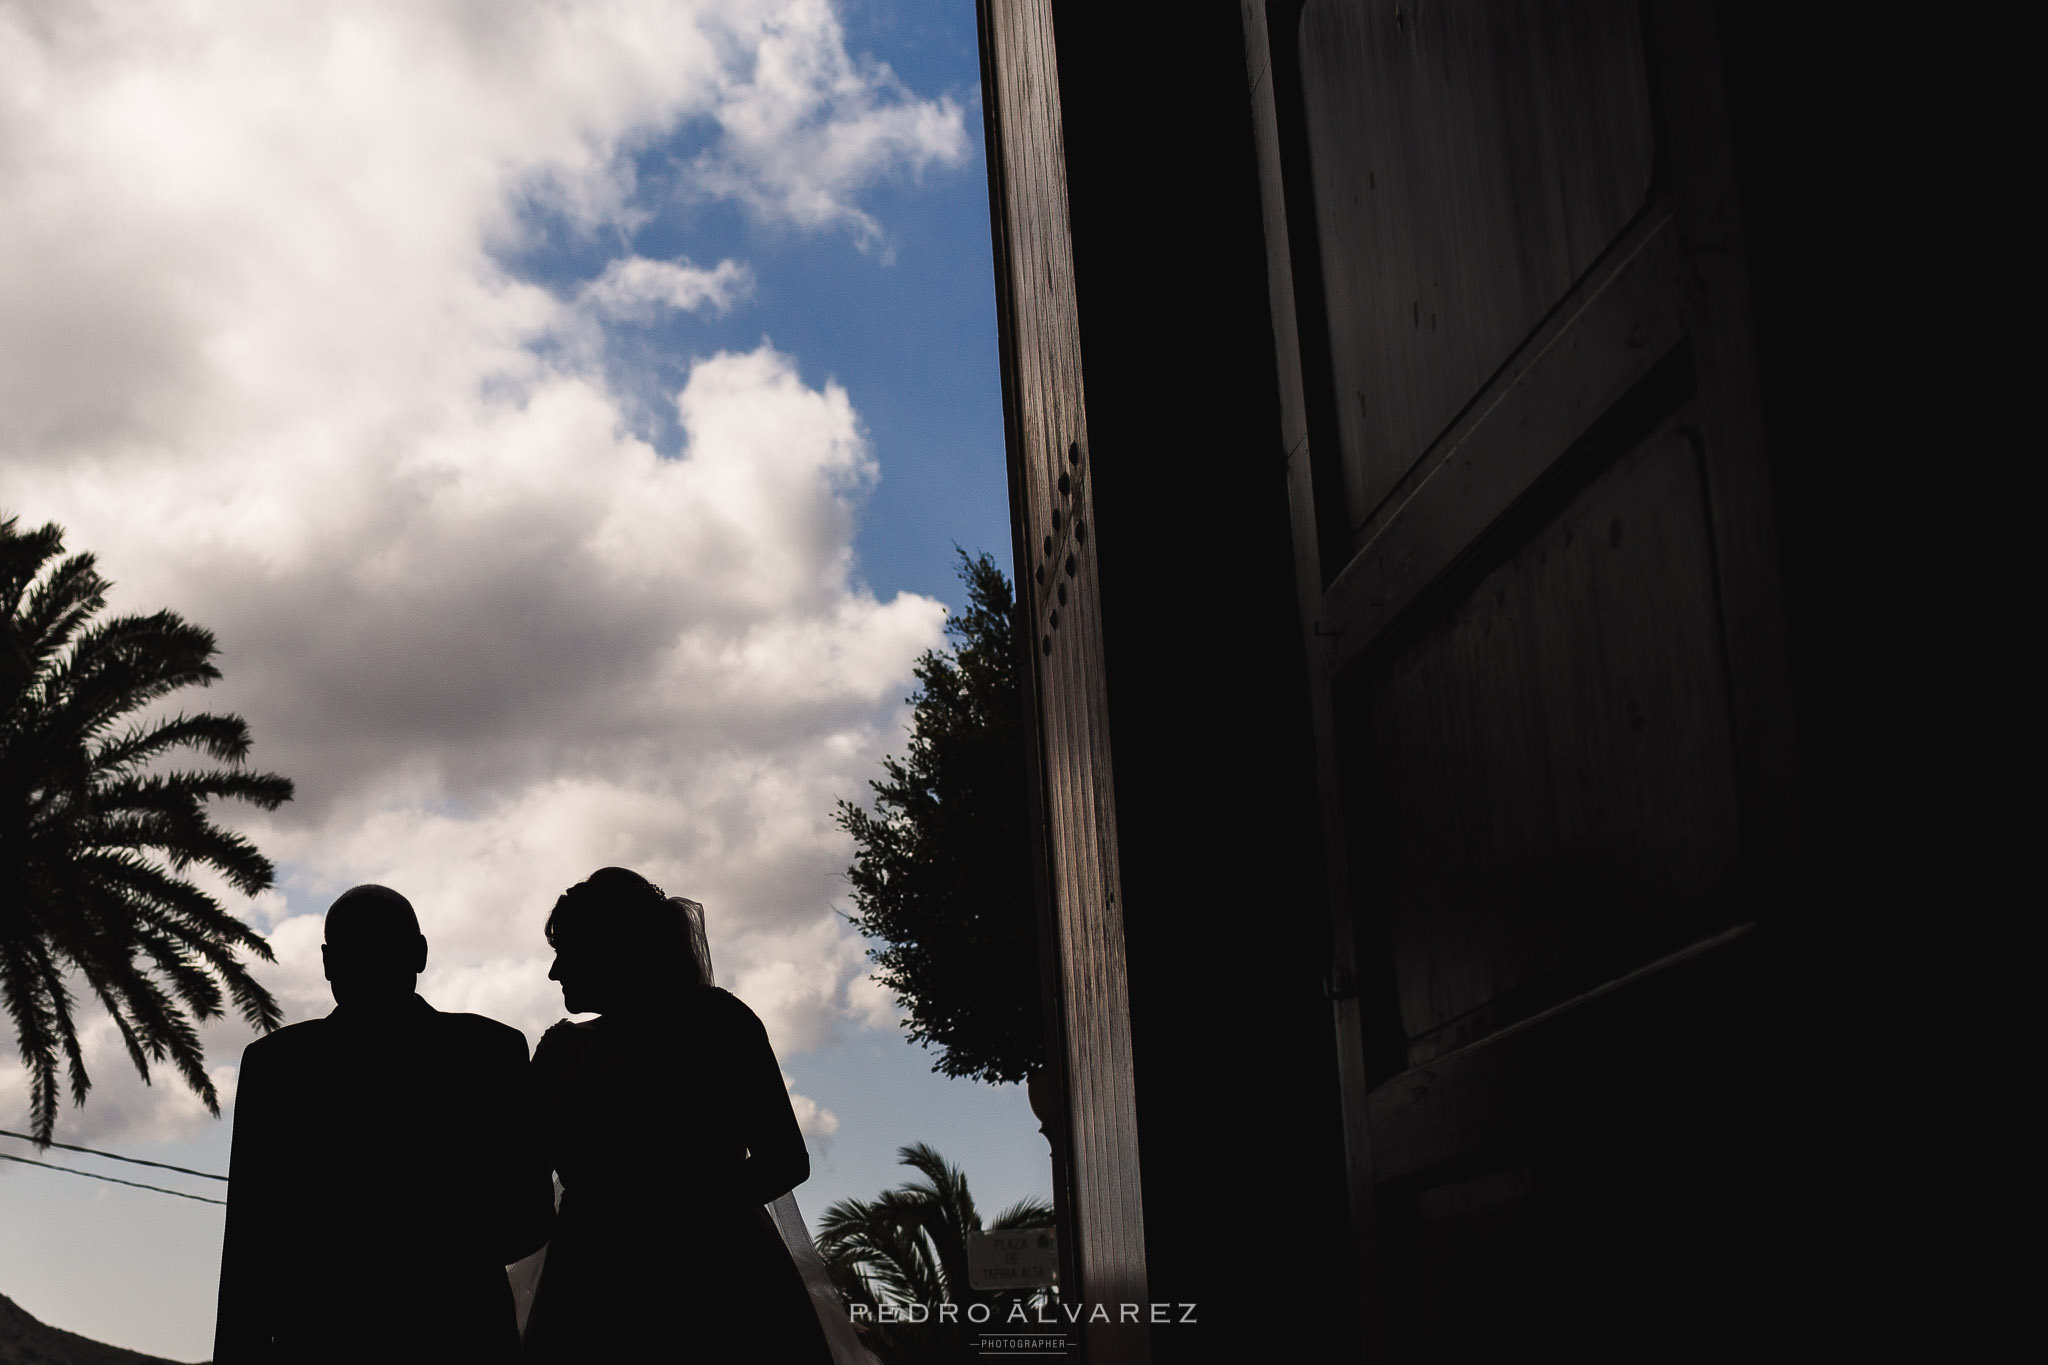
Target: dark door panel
[(1542, 785), (1470, 161), (1534, 549)]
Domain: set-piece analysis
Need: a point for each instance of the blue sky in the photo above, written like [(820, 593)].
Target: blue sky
[(907, 324), (397, 343)]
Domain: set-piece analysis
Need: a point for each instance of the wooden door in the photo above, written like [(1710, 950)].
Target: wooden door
[(1534, 547)]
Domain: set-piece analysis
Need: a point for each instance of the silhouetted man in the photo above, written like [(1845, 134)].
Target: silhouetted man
[(384, 1172)]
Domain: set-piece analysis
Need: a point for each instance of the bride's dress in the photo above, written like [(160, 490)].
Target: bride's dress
[(670, 1133)]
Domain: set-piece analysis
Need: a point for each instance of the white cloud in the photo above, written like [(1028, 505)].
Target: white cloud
[(296, 204), (633, 288), (817, 1122), (808, 124), (873, 1004), (263, 358)]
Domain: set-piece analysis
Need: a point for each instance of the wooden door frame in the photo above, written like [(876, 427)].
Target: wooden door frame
[(1102, 1223)]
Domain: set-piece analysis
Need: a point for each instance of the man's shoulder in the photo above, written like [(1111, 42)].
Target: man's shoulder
[(478, 1031), (292, 1038), (286, 1057)]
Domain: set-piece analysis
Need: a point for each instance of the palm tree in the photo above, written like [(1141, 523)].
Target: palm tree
[(85, 800), (909, 1246)]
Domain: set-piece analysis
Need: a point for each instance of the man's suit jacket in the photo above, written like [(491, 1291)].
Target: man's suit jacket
[(385, 1172)]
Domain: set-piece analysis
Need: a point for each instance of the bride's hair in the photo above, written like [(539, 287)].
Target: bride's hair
[(622, 913)]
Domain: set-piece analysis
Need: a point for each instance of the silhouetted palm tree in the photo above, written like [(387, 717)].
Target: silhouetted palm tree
[(84, 802), (909, 1246)]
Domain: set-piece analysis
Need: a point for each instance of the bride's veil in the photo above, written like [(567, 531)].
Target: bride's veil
[(846, 1347)]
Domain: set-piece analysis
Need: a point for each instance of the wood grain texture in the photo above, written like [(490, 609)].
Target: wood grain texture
[(1050, 478), (1470, 161), (1536, 565), (1618, 325), (1544, 778)]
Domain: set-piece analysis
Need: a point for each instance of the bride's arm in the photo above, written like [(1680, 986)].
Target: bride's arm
[(777, 1161)]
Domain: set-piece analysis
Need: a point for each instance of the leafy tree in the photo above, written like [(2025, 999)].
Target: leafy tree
[(943, 871), (85, 800), (909, 1246)]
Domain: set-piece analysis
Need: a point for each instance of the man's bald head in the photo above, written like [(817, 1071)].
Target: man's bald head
[(374, 951)]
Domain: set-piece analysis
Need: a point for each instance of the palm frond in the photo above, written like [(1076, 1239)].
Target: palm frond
[(124, 664), (183, 791), (98, 837), (223, 737), (58, 606), (147, 884), (188, 979), (1025, 1213), (29, 984), (186, 837), (949, 1209), (909, 1245), (22, 557)]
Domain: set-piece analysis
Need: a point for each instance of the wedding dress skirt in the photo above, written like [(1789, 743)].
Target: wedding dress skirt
[(803, 1253)]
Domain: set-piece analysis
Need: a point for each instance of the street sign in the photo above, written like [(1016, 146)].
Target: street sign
[(1017, 1258)]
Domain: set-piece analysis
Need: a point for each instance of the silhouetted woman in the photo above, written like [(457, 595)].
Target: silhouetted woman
[(669, 1128)]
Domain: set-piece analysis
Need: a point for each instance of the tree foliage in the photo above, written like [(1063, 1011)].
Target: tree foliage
[(909, 1246), (96, 829), (942, 876)]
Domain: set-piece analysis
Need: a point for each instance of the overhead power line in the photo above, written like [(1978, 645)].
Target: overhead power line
[(115, 1156), (111, 1180)]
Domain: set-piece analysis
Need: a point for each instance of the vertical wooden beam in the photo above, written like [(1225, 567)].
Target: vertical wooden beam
[(1058, 598)]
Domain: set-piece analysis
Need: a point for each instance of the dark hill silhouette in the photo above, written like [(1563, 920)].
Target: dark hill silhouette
[(24, 1341)]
